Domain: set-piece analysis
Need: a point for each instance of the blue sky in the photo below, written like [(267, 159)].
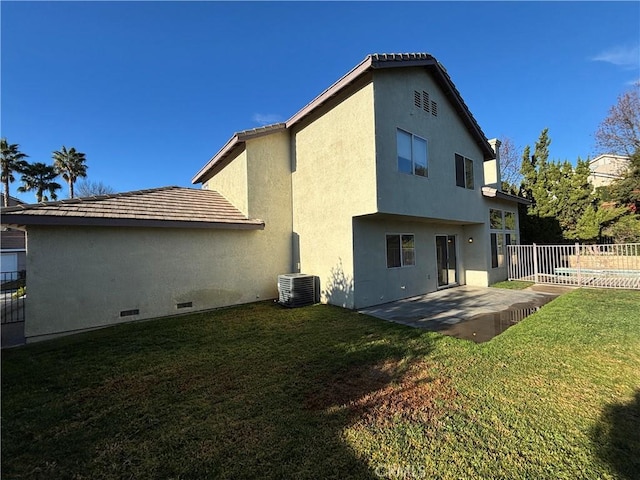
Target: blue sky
[(151, 90)]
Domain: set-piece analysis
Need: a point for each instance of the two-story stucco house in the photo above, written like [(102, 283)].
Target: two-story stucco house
[(391, 189), (383, 187)]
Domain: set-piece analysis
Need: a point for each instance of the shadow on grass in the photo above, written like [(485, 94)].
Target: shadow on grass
[(258, 391), (617, 437)]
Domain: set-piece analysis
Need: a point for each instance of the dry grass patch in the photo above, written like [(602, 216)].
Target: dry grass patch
[(385, 393)]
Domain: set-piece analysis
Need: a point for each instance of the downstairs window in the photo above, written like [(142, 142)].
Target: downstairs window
[(401, 250)]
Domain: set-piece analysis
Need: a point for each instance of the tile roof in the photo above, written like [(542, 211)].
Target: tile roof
[(174, 207)]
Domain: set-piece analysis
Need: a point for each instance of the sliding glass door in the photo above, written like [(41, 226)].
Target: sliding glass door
[(446, 260)]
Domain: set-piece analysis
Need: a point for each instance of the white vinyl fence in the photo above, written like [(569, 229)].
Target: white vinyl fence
[(604, 266)]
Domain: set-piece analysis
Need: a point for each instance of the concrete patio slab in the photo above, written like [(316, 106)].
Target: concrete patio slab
[(446, 310)]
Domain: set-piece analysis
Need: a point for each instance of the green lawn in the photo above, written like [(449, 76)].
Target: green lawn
[(513, 284), (261, 391)]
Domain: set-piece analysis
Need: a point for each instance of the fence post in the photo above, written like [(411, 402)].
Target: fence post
[(535, 263), (577, 250)]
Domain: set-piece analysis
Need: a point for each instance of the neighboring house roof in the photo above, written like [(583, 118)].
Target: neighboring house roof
[(610, 156), (170, 207), (371, 62)]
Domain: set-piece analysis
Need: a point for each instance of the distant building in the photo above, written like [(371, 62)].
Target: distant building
[(607, 168)]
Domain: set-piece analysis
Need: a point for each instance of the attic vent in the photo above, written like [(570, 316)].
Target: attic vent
[(422, 100), (297, 290), (416, 98), (425, 101)]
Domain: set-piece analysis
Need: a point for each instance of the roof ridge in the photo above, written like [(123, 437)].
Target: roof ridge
[(401, 56)]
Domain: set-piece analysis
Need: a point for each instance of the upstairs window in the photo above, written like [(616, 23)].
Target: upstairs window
[(412, 154), (464, 172)]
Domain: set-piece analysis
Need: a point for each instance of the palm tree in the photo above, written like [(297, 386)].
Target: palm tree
[(40, 177), (12, 161), (70, 164)]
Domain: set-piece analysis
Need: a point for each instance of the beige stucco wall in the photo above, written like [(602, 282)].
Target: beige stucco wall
[(269, 183), (375, 283), (83, 277), (334, 179), (437, 196), (232, 182), (259, 180), (477, 255), (491, 170)]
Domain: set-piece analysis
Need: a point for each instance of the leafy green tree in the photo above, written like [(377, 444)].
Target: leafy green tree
[(536, 229), (625, 230), (626, 190), (13, 161), (528, 173), (623, 194), (577, 196), (537, 221), (40, 177), (71, 165), (541, 187), (594, 223)]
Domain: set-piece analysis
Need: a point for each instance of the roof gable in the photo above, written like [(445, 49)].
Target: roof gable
[(370, 63), (172, 207)]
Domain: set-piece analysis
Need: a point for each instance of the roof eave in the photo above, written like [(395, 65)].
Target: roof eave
[(455, 97), (491, 192), (333, 90), (376, 61), (385, 62), (223, 152), (237, 140), (21, 221)]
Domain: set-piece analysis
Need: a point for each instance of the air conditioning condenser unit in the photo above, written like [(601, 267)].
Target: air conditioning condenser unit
[(297, 290)]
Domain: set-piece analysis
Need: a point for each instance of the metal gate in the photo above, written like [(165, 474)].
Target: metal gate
[(13, 298)]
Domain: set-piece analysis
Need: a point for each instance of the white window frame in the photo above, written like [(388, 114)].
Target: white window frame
[(465, 171), (402, 250), (413, 154), (501, 237)]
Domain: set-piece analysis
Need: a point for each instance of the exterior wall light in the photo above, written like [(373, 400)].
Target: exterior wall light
[(470, 240)]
